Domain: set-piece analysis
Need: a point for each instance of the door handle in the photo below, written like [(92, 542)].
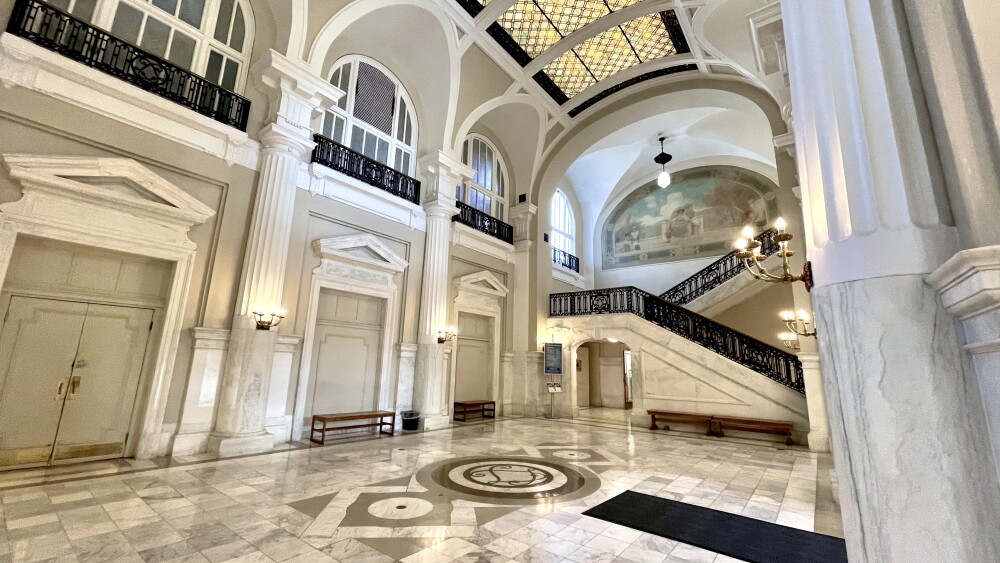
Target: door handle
[(74, 386), (61, 390)]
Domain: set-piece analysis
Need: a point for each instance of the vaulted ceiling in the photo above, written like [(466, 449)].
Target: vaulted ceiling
[(581, 52)]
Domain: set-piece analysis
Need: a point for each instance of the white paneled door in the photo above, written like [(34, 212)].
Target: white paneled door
[(69, 373)]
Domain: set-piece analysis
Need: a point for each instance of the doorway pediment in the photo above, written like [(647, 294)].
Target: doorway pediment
[(364, 248), (484, 282), (120, 184)]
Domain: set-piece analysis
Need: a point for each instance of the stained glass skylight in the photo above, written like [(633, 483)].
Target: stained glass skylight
[(530, 27), (537, 24), (621, 47)]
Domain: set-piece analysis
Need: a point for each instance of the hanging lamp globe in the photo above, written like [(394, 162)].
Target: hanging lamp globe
[(663, 180)]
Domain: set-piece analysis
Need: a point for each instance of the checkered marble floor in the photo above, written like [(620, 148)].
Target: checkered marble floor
[(396, 499)]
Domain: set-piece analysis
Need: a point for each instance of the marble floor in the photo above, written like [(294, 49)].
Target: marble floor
[(509, 490)]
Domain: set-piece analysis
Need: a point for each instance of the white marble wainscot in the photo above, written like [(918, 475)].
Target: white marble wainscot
[(536, 392), (969, 285), (895, 382), (198, 413), (201, 402), (407, 365), (672, 373), (506, 402), (278, 416)]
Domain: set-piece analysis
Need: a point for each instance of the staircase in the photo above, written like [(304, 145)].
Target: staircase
[(686, 362), (720, 281)]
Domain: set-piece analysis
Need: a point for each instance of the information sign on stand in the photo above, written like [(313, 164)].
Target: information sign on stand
[(553, 369)]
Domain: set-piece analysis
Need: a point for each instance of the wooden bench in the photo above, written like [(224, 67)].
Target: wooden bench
[(680, 417), (486, 409), (721, 423), (379, 418)]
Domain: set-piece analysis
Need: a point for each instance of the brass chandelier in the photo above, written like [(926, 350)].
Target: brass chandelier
[(798, 324), (748, 250)]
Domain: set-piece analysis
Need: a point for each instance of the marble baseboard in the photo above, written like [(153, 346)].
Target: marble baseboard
[(227, 446)]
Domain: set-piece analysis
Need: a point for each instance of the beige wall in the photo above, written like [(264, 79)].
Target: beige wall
[(42, 126), (758, 315)]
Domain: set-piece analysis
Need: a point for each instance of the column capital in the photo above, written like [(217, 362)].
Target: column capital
[(786, 142), (969, 282), (520, 218), (281, 137), (294, 92), (442, 173)]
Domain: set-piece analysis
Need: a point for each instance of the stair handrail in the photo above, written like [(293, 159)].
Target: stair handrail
[(767, 360), (717, 273)]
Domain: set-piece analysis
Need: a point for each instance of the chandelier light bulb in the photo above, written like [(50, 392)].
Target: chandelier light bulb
[(787, 316), (747, 232), (804, 316), (780, 225), (663, 180), (741, 244)]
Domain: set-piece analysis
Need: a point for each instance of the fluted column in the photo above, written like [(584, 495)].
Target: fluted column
[(443, 173), (524, 340), (909, 434), (296, 95)]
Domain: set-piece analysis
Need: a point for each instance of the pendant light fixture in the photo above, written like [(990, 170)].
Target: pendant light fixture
[(663, 180)]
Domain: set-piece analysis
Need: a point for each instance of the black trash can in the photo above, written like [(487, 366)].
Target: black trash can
[(411, 420)]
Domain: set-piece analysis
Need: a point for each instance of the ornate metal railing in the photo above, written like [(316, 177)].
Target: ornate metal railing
[(484, 223), (717, 273), (356, 165), (763, 358), (565, 259), (58, 31)]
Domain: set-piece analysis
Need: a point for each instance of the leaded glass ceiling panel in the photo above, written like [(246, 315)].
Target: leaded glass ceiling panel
[(649, 38), (569, 74), (537, 24)]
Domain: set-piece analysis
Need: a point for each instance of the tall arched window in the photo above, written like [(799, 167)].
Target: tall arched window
[(563, 236), (487, 191), (375, 116), (211, 38)]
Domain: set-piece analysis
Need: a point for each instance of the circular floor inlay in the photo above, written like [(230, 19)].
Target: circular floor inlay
[(400, 508), (508, 480)]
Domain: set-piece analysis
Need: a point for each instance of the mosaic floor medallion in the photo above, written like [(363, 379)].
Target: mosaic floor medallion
[(509, 480)]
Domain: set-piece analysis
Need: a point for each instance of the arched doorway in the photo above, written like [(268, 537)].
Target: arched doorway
[(604, 386)]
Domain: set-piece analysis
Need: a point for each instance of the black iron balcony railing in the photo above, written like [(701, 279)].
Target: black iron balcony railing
[(372, 172), (58, 31), (484, 223), (565, 260), (717, 273), (763, 358)]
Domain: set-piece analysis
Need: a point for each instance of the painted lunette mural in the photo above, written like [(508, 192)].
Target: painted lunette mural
[(698, 216)]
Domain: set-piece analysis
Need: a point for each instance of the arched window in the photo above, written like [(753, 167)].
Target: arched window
[(487, 191), (563, 234), (211, 38), (375, 116)]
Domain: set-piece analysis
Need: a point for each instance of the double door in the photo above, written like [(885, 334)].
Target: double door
[(69, 373)]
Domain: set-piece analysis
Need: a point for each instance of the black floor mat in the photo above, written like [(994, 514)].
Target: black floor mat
[(729, 534)]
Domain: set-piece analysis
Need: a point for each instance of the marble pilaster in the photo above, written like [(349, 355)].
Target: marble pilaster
[(819, 420), (430, 379), (522, 300), (969, 285), (908, 430), (296, 95)]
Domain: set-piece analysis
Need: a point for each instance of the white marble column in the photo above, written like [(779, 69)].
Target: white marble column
[(969, 285), (909, 435), (296, 96), (524, 341), (442, 174)]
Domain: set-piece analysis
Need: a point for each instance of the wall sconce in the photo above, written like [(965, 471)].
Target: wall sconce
[(445, 336), (799, 323), (748, 250), (790, 340), (267, 320)]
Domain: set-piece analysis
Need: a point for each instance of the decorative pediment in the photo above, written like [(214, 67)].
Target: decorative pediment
[(362, 248), (119, 184), (482, 282)]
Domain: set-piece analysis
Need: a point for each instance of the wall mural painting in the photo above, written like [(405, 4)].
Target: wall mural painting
[(698, 216)]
